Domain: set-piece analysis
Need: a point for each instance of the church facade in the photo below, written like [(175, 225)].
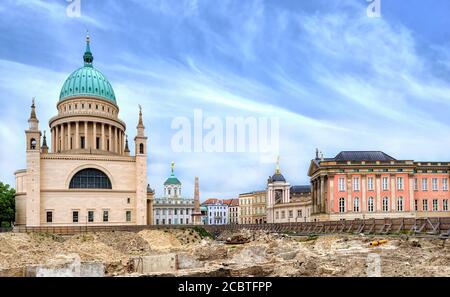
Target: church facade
[(88, 176)]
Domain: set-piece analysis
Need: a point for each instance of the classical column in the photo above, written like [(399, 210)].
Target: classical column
[(331, 180), (363, 205), (411, 193), (103, 136), (63, 139), (322, 193), (53, 140), (120, 142), (110, 138), (393, 200), (69, 136), (116, 135), (349, 195), (377, 203), (94, 135), (86, 138), (57, 139), (77, 135), (115, 139)]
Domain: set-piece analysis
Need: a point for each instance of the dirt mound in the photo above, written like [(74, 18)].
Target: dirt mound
[(160, 240)]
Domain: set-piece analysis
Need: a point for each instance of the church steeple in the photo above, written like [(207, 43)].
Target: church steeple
[(44, 147), (88, 57), (127, 148), (140, 139), (33, 121)]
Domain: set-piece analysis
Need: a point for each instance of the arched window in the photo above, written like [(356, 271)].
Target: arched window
[(341, 205), (90, 179), (33, 144), (385, 204), (141, 148), (356, 204), (400, 204), (370, 204)]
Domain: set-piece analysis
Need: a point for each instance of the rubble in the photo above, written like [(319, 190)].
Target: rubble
[(188, 254)]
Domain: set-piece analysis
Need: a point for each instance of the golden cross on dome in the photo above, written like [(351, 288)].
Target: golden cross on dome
[(173, 166)]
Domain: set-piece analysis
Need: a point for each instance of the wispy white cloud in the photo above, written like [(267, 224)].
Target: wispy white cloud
[(337, 79)]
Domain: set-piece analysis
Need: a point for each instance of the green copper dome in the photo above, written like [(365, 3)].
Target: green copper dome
[(172, 180), (87, 81)]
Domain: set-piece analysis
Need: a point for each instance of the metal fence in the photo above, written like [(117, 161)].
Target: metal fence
[(411, 226)]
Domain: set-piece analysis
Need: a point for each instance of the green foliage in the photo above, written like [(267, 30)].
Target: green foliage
[(202, 232), (7, 205)]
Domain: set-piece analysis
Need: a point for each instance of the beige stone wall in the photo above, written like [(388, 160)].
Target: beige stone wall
[(305, 207), (63, 203), (55, 174)]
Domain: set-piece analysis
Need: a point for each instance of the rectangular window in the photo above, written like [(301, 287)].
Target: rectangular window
[(370, 183), (299, 213), (445, 205), (157, 222), (75, 217), (175, 211), (425, 205), (424, 184), (82, 142), (291, 214), (434, 184), (187, 211), (435, 205), (416, 186), (370, 204), (187, 221), (385, 183), (181, 211), (416, 205), (400, 183), (105, 216), (283, 214), (170, 221), (128, 215), (181, 221), (157, 212), (97, 143), (163, 221), (49, 217), (90, 216), (356, 184), (276, 215), (341, 184), (445, 184)]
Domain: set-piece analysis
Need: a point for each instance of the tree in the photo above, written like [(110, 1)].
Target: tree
[(7, 205)]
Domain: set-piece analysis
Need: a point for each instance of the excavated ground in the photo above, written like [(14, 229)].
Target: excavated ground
[(264, 255)]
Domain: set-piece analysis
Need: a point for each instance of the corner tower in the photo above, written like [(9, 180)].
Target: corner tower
[(141, 172), (33, 171)]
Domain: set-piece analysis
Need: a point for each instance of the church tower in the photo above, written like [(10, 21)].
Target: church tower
[(33, 175), (278, 191), (172, 186), (141, 172)]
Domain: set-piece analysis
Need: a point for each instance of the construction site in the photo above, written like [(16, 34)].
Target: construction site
[(238, 251)]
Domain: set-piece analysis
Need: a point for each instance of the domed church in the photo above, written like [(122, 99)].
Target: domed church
[(87, 176)]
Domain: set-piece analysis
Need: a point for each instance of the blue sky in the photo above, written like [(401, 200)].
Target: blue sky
[(337, 79)]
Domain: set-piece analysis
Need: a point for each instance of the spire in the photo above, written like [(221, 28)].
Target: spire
[(33, 121), (44, 144), (33, 110), (127, 148), (277, 171), (141, 123), (317, 153), (88, 57)]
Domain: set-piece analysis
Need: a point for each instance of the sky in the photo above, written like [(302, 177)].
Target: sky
[(335, 78)]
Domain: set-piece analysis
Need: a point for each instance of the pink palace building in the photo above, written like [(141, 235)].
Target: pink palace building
[(372, 184)]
